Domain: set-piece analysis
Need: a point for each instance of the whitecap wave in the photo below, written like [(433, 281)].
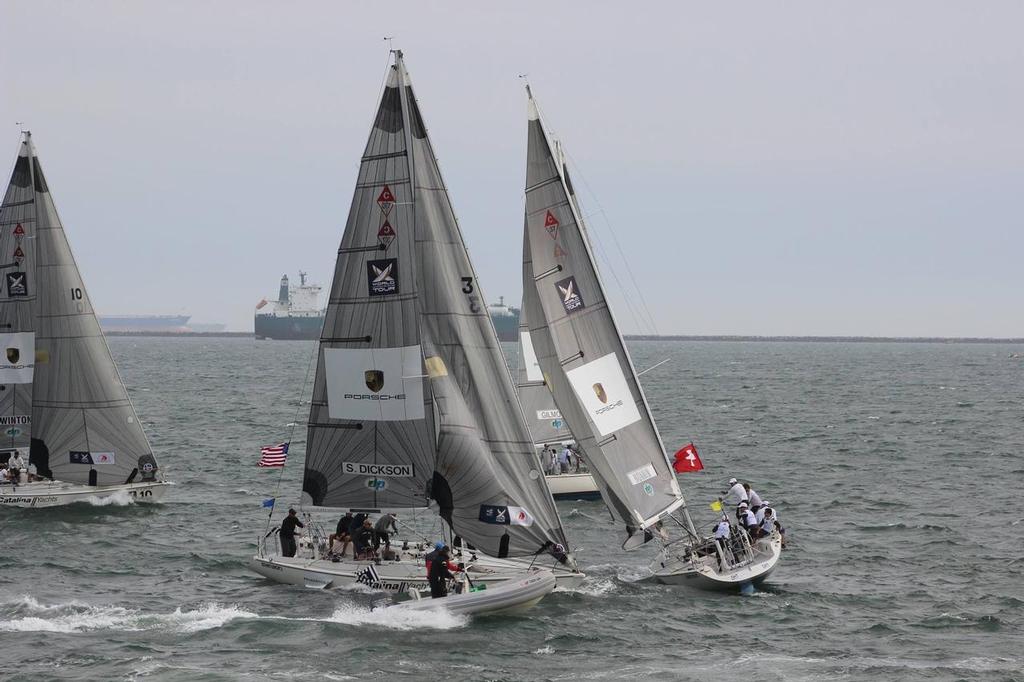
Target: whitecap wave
[(544, 650)]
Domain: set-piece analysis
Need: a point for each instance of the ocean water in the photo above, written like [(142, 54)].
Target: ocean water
[(896, 468)]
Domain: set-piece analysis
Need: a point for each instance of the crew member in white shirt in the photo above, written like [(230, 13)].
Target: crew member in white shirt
[(16, 464), (753, 499), (746, 518), (735, 494), (723, 531), (760, 512)]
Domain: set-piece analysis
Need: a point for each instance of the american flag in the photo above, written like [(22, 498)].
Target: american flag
[(273, 455)]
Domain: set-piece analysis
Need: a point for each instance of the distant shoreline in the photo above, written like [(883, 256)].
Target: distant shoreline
[(673, 337)]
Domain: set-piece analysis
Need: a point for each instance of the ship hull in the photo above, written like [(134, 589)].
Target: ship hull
[(288, 328)]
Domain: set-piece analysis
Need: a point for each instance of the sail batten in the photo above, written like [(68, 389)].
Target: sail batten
[(580, 349)]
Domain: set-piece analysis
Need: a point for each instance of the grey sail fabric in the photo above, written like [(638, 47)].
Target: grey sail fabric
[(542, 416), (580, 350), (83, 426), (488, 483), (17, 306), (357, 455)]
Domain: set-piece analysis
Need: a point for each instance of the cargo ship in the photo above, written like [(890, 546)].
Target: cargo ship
[(163, 324), (505, 319), (296, 314)]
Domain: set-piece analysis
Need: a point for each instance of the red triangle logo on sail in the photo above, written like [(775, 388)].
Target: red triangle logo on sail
[(386, 200), (19, 231), (559, 251), (18, 254), (386, 234), (551, 225)]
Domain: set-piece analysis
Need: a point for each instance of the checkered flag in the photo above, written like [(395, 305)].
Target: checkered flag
[(368, 577)]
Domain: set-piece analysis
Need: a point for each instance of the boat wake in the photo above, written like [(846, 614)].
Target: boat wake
[(31, 616), (119, 499), (395, 619)]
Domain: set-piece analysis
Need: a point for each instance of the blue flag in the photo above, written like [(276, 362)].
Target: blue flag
[(269, 503)]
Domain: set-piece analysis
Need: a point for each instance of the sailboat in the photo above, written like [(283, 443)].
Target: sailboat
[(63, 406), (585, 363), (547, 427), (413, 404)]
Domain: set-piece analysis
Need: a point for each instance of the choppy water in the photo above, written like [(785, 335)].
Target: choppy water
[(896, 469)]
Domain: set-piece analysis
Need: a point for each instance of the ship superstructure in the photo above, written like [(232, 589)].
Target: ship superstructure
[(296, 314), (505, 319)]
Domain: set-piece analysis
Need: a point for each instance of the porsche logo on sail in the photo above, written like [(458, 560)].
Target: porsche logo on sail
[(569, 294), (13, 355), (600, 393), (374, 379), (382, 276)]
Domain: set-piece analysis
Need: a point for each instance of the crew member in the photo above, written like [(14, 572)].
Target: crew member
[(753, 499), (288, 533), (439, 572), (563, 460), (363, 540), (16, 464), (767, 525), (761, 512), (735, 494), (746, 518), (722, 533), (385, 525)]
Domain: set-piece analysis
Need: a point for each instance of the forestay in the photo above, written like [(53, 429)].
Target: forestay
[(67, 402), (580, 350), (545, 421), (483, 473)]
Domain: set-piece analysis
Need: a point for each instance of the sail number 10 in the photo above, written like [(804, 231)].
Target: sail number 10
[(76, 294)]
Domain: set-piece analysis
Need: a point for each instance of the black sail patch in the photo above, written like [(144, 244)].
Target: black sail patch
[(569, 294), (17, 284), (382, 276)]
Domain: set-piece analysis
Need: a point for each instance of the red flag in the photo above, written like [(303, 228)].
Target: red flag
[(687, 460)]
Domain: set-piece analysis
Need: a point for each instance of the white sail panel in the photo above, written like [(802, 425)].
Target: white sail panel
[(604, 394), (374, 384), (17, 357), (528, 356)]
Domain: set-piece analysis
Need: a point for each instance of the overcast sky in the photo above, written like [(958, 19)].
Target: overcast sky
[(800, 168)]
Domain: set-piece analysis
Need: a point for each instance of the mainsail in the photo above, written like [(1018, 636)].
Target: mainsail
[(545, 421), (412, 398), (62, 395), (581, 352)]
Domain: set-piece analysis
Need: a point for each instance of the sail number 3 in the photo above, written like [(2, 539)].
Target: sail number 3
[(468, 289)]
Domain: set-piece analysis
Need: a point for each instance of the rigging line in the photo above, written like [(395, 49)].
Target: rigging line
[(604, 216)]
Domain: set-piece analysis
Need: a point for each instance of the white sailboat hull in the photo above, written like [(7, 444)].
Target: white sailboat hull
[(409, 572), (59, 494), (674, 567), (573, 487), (511, 596)]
